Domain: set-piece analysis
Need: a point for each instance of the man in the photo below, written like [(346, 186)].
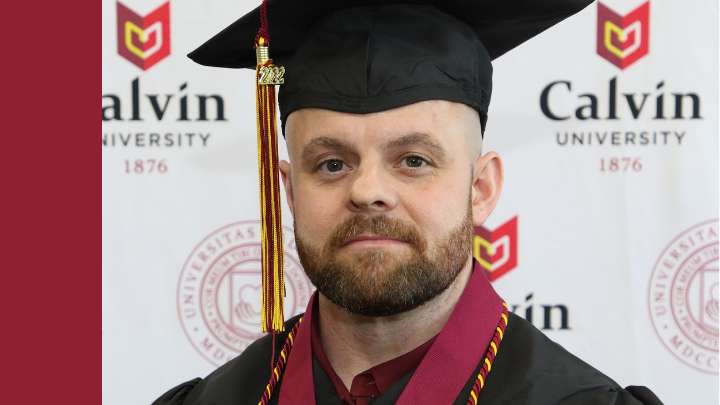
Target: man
[(384, 108)]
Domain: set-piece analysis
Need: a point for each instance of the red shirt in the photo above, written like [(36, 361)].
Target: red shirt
[(372, 382)]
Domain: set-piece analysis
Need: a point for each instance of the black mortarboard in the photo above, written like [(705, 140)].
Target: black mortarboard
[(369, 56), (363, 57)]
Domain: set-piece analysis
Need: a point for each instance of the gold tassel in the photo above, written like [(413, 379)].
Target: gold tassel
[(273, 283)]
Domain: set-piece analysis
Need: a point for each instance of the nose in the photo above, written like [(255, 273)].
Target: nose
[(371, 191)]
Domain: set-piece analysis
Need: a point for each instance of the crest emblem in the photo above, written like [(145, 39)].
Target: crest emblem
[(623, 39), (496, 249), (143, 40)]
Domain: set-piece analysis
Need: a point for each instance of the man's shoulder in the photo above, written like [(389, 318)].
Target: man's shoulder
[(239, 381), (540, 355), (530, 368)]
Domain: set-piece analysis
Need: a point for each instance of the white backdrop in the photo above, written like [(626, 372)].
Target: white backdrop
[(619, 237)]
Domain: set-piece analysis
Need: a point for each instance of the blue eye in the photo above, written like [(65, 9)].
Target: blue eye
[(332, 165), (414, 161)]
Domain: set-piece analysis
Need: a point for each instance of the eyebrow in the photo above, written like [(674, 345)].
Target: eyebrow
[(325, 142), (418, 138), (341, 146)]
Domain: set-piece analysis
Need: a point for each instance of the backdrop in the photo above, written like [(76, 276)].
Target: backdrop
[(606, 236)]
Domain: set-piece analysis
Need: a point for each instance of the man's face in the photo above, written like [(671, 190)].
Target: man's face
[(382, 201)]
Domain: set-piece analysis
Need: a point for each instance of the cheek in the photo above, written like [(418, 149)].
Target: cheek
[(439, 208), (316, 212)]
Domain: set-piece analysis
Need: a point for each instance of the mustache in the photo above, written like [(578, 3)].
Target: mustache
[(379, 225)]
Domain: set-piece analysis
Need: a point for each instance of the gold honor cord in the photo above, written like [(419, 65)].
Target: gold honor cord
[(267, 76)]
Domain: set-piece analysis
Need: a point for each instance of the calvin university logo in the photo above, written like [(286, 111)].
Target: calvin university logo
[(143, 40), (623, 39), (496, 249)]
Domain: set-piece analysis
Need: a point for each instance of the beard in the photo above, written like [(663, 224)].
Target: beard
[(375, 282)]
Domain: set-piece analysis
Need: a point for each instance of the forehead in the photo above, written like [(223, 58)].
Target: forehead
[(444, 121)]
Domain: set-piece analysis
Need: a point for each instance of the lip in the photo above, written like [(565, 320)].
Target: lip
[(371, 240)]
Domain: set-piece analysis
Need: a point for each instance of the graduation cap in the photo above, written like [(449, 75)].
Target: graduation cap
[(364, 57)]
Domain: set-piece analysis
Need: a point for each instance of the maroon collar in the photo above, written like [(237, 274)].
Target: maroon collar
[(372, 382), (447, 365)]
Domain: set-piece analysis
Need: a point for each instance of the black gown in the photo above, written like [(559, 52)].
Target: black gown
[(530, 369)]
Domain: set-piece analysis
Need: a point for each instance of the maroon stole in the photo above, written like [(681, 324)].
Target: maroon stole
[(447, 366)]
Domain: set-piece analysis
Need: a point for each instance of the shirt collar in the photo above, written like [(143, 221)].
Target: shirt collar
[(382, 375)]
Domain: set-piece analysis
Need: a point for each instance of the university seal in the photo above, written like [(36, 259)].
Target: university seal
[(218, 294), (683, 297)]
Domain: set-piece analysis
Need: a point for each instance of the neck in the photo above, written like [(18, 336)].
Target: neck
[(354, 343)]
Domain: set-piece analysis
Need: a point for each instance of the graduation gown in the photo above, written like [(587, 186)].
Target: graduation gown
[(529, 368)]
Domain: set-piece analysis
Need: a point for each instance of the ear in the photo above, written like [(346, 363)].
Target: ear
[(487, 184), (285, 174)]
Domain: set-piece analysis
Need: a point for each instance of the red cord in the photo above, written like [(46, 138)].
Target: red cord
[(263, 31)]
